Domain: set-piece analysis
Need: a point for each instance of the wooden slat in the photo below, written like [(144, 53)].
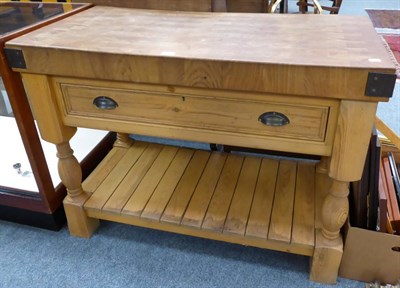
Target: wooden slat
[(260, 213), (128, 185), (236, 220), (101, 195), (156, 205), (232, 238), (139, 199), (245, 197), (281, 218), (177, 204), (93, 181), (197, 207), (219, 205), (304, 213)]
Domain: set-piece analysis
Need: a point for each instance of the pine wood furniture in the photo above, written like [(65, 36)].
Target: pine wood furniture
[(249, 6), (178, 5), (43, 209), (237, 79)]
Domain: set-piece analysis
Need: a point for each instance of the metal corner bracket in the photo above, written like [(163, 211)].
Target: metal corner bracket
[(380, 84), (15, 58)]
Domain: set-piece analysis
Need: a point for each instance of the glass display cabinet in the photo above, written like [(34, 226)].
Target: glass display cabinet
[(30, 190)]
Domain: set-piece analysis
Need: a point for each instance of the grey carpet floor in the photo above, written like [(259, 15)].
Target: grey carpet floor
[(125, 256)]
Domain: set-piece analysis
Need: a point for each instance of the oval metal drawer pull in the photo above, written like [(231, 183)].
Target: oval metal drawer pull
[(105, 103), (273, 119)]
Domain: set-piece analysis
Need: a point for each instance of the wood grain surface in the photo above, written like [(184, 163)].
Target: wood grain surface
[(181, 5), (210, 194), (259, 38), (239, 51)]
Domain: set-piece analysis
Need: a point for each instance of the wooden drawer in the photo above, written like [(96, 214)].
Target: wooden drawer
[(198, 109)]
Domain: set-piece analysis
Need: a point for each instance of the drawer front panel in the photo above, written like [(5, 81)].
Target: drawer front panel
[(197, 111)]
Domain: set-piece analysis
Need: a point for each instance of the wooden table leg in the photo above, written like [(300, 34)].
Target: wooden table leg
[(53, 130), (71, 175), (346, 164), (123, 140), (329, 244)]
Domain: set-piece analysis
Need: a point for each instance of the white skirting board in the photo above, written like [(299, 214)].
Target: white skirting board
[(12, 151)]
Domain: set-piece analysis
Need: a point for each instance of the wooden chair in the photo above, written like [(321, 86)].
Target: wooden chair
[(284, 6), (273, 4), (334, 9), (303, 6)]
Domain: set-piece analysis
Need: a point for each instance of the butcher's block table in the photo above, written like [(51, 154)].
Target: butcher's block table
[(256, 80)]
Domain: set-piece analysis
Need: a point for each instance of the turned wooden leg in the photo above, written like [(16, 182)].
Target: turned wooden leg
[(328, 243), (335, 209), (345, 164), (123, 140), (323, 165), (71, 175), (43, 101)]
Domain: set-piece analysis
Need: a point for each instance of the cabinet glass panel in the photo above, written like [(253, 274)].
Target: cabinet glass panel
[(15, 167), (15, 170), (14, 16)]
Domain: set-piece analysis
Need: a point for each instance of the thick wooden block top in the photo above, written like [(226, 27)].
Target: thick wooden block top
[(210, 49), (320, 40), (180, 5)]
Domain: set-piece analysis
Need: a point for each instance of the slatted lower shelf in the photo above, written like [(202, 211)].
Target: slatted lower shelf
[(249, 200)]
